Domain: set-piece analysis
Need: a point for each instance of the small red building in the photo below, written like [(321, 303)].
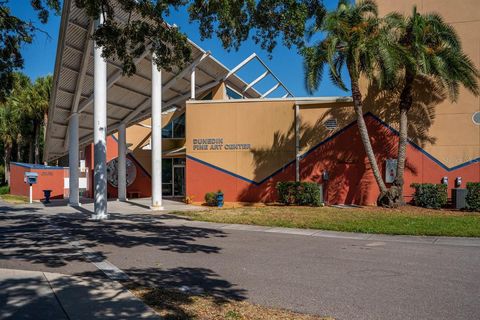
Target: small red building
[(49, 178)]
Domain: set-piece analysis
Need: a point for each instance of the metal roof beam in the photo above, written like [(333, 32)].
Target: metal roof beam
[(241, 65), (70, 46), (271, 90), (119, 105), (83, 69), (182, 73), (113, 79), (121, 86), (146, 103), (254, 82), (78, 25)]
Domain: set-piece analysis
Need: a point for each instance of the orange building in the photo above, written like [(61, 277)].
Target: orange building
[(234, 139)]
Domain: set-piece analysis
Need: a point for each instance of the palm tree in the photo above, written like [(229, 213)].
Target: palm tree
[(12, 117), (432, 52), (34, 100), (40, 98), (8, 136), (355, 38)]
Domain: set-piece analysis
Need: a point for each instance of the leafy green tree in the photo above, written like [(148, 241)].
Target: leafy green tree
[(16, 32), (431, 51), (232, 21), (355, 38), (34, 101), (12, 116)]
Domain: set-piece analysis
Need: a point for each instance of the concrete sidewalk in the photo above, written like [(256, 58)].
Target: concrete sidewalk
[(43, 295)]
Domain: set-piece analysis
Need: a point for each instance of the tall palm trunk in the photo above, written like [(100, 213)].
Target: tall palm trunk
[(6, 160), (31, 146), (19, 143), (44, 124), (36, 134), (406, 101), (362, 128)]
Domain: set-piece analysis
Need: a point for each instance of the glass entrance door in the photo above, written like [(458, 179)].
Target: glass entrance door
[(178, 181)]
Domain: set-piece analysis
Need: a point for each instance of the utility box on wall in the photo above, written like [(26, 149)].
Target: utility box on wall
[(31, 177), (458, 198)]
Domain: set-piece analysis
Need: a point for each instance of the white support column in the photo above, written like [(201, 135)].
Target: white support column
[(99, 132), (156, 138), (73, 161), (297, 143), (122, 162), (192, 84)]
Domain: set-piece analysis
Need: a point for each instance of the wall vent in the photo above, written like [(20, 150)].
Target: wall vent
[(331, 124)]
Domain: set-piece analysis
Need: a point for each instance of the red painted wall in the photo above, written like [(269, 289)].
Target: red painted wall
[(17, 186), (48, 179), (351, 180), (141, 184)]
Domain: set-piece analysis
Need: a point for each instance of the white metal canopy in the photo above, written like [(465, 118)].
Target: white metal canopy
[(128, 98)]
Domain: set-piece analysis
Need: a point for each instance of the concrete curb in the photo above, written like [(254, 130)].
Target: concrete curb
[(432, 240)]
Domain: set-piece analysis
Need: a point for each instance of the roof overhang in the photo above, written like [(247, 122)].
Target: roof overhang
[(128, 98), (319, 102)]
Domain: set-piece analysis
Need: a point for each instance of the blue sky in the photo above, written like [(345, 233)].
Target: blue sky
[(286, 63)]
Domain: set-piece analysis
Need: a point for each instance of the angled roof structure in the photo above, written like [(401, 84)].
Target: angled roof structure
[(128, 98)]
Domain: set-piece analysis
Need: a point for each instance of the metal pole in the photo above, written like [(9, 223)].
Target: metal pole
[(122, 162), (99, 131), (31, 191), (156, 138), (192, 84), (73, 180), (297, 143)]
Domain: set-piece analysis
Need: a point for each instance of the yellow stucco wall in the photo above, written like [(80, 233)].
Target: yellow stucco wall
[(266, 126), (444, 129)]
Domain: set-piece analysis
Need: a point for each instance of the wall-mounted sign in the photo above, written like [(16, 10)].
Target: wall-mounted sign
[(82, 166), (112, 172), (217, 144), (390, 170)]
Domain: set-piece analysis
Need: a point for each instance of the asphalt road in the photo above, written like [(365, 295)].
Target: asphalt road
[(342, 278)]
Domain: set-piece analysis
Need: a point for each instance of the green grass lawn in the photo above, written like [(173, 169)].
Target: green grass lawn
[(407, 220), (13, 199)]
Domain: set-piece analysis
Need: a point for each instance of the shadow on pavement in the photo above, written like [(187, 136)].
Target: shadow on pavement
[(36, 295), (40, 240), (140, 230)]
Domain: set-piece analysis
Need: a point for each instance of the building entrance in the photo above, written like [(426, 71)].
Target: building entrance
[(173, 177)]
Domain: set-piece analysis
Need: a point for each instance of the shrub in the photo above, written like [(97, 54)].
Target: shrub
[(473, 196), (299, 193), (4, 190), (429, 195), (211, 198)]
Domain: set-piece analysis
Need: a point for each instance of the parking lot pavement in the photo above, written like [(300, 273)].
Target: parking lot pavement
[(347, 277)]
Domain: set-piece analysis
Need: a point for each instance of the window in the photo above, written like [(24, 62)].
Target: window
[(208, 96), (179, 127), (167, 179), (175, 128), (232, 94), (476, 118), (167, 131)]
